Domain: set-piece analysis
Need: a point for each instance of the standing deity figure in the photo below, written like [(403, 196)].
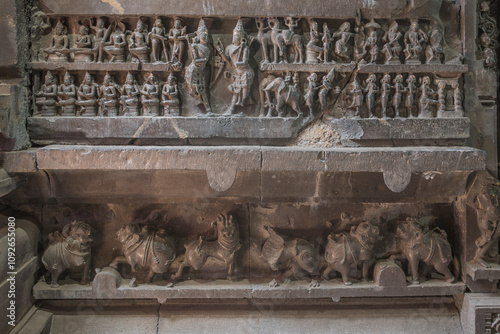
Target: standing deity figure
[(197, 73), (425, 100), (116, 44), (310, 95), (356, 93), (170, 97), (59, 44), (413, 40), (327, 41), (83, 45), (397, 99), (102, 34), (371, 92), (47, 96), (434, 51), (341, 45), (67, 96), (109, 94), (411, 90), (370, 45), (150, 96), (314, 52), (392, 47), (457, 98), (87, 96), (239, 54), (385, 87), (158, 41), (177, 36), (138, 44), (130, 96)]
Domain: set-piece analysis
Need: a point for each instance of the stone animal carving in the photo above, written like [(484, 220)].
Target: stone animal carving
[(224, 248), (146, 249), (264, 38), (68, 250), (282, 38), (346, 249), (297, 254), (419, 244), (286, 94)]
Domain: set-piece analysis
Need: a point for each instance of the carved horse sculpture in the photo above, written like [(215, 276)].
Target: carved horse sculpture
[(223, 249), (144, 249), (286, 94), (264, 38), (354, 248), (428, 246), (67, 250), (282, 38)]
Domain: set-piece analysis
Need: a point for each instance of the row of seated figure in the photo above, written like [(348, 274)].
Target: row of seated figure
[(365, 43), (108, 99)]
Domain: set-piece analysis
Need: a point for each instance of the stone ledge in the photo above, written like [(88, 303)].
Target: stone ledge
[(222, 289), (237, 130), (478, 272)]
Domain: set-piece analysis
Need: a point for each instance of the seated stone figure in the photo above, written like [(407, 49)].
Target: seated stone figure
[(130, 96), (67, 96), (47, 96), (170, 97), (87, 96), (150, 96)]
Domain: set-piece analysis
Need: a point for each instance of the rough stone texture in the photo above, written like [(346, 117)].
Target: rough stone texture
[(8, 52), (13, 115), (388, 273)]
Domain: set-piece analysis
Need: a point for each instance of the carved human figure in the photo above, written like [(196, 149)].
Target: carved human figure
[(239, 54), (177, 37), (392, 47), (197, 73), (297, 254), (283, 38), (324, 89), (385, 88), (170, 97), (457, 98), (158, 41), (434, 50), (69, 249), (488, 218), (39, 25), (59, 44), (130, 96), (314, 52), (264, 39), (371, 93), (346, 249), (341, 45), (286, 94), (413, 40), (425, 101), (138, 44), (46, 97), (397, 99), (310, 95), (109, 94), (224, 248), (411, 91), (87, 96), (150, 96), (327, 41), (101, 36), (357, 96), (116, 44), (67, 96), (370, 44), (83, 45)]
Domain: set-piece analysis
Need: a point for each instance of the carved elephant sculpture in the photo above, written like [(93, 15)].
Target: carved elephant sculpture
[(286, 94), (68, 250), (296, 253), (429, 246), (146, 249), (343, 250)]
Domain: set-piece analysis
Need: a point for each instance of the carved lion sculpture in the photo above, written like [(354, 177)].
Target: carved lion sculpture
[(223, 249), (343, 250), (422, 245), (67, 250), (146, 249), (296, 253)]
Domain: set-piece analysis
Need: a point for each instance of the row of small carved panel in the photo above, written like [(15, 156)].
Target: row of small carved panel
[(381, 41), (154, 251), (366, 95)]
